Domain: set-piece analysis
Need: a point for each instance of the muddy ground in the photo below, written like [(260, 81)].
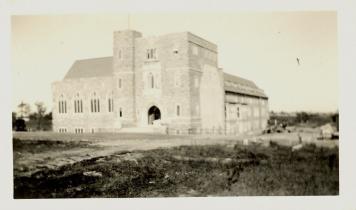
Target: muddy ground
[(65, 166)]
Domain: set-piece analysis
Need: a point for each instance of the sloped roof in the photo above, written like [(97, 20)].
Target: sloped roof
[(94, 67), (103, 67), (240, 85)]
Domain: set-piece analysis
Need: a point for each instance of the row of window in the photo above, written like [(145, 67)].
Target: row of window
[(76, 130), (151, 53), (232, 111), (78, 106), (95, 107), (153, 83), (62, 130), (79, 130), (246, 99)]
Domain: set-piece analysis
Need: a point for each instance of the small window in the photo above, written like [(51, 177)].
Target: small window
[(120, 113), (61, 107), (151, 54), (152, 81), (111, 104), (120, 83), (175, 51), (238, 112), (178, 110)]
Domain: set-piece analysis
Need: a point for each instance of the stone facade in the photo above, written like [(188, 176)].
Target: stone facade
[(171, 81)]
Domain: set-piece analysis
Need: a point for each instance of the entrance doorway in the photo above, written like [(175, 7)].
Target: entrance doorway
[(153, 114)]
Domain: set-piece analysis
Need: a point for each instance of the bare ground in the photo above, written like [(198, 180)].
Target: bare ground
[(52, 150), (146, 165)]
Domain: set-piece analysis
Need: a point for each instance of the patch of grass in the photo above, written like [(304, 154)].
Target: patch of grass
[(205, 171), (38, 146)]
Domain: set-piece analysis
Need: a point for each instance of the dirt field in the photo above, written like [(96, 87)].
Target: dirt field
[(138, 165)]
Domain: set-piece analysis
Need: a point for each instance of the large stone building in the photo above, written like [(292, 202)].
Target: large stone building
[(170, 82)]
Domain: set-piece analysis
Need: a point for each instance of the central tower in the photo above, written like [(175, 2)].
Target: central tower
[(124, 76)]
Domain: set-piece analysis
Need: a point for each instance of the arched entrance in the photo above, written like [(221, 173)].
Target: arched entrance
[(153, 114)]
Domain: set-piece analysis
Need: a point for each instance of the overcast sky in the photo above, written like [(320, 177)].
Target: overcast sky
[(262, 47)]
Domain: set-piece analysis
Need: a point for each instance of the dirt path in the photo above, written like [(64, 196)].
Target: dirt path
[(29, 161)]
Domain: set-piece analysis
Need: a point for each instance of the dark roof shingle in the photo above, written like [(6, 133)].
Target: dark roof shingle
[(94, 67), (243, 86)]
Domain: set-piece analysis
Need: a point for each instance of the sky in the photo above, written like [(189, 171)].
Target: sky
[(259, 46)]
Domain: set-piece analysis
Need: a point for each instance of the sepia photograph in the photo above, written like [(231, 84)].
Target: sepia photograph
[(189, 104)]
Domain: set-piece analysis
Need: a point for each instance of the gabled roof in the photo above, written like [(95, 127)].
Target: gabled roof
[(240, 85), (94, 67), (103, 67)]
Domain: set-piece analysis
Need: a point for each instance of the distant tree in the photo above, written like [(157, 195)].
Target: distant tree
[(48, 117), (302, 117), (24, 109), (13, 120), (39, 115)]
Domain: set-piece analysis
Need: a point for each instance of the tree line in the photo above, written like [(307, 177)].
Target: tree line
[(24, 119), (304, 118)]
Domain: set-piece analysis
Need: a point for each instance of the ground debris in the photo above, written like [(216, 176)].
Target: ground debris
[(297, 147), (132, 157), (93, 174), (223, 161)]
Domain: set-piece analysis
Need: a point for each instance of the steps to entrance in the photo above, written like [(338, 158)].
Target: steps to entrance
[(146, 129)]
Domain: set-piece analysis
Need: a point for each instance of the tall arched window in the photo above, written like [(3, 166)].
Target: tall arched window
[(62, 105), (111, 102), (78, 104), (95, 103)]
